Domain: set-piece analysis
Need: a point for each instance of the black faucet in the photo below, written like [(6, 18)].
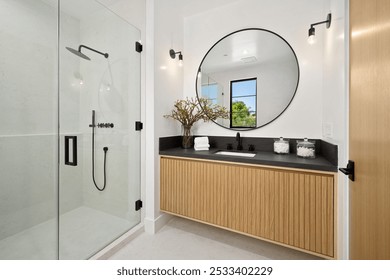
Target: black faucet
[(238, 139)]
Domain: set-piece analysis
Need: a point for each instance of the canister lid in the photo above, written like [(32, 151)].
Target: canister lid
[(305, 143), (281, 140)]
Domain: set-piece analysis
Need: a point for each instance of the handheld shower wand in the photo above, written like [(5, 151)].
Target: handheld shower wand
[(105, 149)]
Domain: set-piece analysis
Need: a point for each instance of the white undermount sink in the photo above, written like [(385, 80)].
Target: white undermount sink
[(236, 154)]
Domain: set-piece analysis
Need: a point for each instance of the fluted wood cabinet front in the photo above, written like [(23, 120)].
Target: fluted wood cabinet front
[(290, 207)]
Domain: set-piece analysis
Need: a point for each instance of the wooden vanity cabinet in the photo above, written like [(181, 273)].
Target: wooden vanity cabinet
[(291, 207)]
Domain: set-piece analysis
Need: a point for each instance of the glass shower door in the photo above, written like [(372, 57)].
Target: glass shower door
[(99, 147), (28, 129)]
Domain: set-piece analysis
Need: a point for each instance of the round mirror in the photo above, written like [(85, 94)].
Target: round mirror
[(254, 73)]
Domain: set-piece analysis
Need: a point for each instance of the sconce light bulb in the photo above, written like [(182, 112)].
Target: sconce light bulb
[(311, 39), (312, 33), (180, 60), (81, 82)]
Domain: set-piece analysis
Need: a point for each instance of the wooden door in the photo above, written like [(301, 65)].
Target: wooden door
[(370, 129)]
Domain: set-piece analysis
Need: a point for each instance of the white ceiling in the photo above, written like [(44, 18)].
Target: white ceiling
[(80, 8), (192, 7), (229, 53), (186, 8)]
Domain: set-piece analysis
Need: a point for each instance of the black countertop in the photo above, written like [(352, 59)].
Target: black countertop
[(326, 161)]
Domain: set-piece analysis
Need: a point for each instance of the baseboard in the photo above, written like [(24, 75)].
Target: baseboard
[(119, 243), (153, 226)]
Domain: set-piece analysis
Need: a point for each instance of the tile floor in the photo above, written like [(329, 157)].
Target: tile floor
[(182, 239)]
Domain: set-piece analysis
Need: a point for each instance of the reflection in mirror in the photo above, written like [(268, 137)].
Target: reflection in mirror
[(243, 100), (254, 73)]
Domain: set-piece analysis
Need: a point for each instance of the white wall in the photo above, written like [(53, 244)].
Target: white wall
[(175, 26), (166, 31), (321, 96), (133, 11), (335, 105), (184, 25), (291, 20)]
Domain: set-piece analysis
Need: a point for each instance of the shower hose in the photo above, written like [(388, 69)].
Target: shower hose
[(105, 149)]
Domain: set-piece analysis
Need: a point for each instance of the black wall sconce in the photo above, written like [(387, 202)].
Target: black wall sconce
[(312, 31), (173, 54)]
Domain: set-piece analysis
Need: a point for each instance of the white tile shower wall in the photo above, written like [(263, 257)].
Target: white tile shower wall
[(70, 77), (28, 87), (134, 12), (291, 20), (111, 87), (28, 67), (27, 181), (71, 177)]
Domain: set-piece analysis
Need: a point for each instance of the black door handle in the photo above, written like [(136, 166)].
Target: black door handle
[(68, 160), (349, 170)]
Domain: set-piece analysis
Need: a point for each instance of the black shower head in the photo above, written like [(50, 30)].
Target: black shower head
[(80, 54)]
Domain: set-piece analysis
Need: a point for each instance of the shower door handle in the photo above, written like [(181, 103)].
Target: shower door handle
[(71, 150)]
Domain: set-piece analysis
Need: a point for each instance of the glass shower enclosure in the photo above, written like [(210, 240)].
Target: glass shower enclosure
[(69, 151)]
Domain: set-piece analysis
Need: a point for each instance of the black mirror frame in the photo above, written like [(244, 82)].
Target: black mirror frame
[(247, 29)]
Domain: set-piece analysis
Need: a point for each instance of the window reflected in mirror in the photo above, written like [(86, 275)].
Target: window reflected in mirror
[(243, 99)]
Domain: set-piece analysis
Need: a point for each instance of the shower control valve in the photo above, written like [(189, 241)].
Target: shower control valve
[(105, 125)]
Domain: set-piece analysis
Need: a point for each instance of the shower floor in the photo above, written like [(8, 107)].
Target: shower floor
[(83, 231)]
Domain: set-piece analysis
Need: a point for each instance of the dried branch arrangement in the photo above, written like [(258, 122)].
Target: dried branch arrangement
[(191, 110)]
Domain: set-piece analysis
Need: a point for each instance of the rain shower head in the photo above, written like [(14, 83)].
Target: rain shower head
[(80, 54)]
